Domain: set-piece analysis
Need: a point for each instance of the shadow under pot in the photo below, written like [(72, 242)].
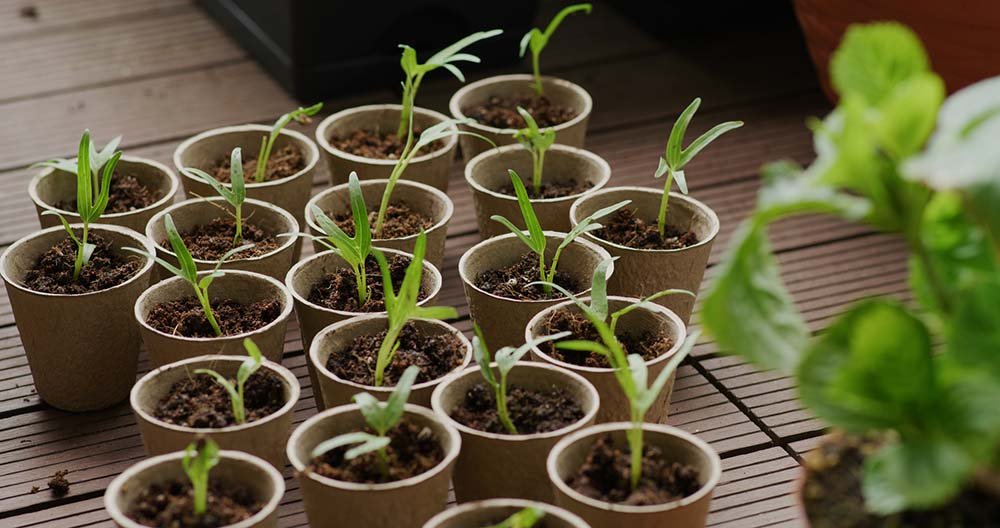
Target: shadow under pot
[(245, 304), (332, 502), (652, 331), (568, 173), (343, 356), (493, 103), (646, 262), (494, 511), (80, 338), (678, 493), (356, 140), (496, 273), (545, 404), (250, 486), (412, 207), (208, 228), (140, 188), (174, 406)]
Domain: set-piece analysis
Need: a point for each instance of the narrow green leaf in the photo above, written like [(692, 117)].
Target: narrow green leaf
[(705, 140)]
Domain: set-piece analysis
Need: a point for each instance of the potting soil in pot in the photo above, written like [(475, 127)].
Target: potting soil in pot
[(626, 229), (549, 189), (400, 221), (282, 163), (172, 504), (185, 317), (435, 354), (532, 411), (200, 402), (649, 345), (512, 282), (126, 194), (211, 241), (501, 112), (376, 145), (339, 289), (412, 451), (53, 273)]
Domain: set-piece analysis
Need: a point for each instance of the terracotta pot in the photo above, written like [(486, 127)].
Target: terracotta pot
[(559, 91), (82, 349), (51, 186), (614, 405), (421, 198), (487, 172), (503, 320), (494, 511), (642, 272), (334, 391), (265, 438), (190, 214), (432, 168), (515, 463), (690, 512), (234, 467), (242, 286), (405, 503)]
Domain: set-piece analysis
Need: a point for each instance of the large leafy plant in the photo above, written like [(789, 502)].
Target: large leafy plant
[(536, 40), (234, 194)]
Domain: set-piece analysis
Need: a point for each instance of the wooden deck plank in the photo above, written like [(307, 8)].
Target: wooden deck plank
[(59, 15)]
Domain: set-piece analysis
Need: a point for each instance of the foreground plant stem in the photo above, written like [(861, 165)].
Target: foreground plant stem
[(207, 308), (80, 252), (502, 410), (661, 218)]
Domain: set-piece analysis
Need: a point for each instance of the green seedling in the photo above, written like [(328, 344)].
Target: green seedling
[(199, 459), (235, 193), (301, 115), (536, 40), (537, 142), (525, 518), (249, 366), (354, 250)]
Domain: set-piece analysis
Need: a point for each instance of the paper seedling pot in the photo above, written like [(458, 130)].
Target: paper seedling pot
[(494, 511)]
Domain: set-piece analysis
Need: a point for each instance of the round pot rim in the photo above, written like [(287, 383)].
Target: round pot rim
[(693, 203), (362, 319), (470, 167), (134, 235), (454, 104), (324, 142), (656, 309), (549, 509), (47, 172), (289, 279), (594, 430), (286, 310), (589, 416), (287, 243), (110, 504), (312, 157), (286, 376), (447, 461), (436, 193)]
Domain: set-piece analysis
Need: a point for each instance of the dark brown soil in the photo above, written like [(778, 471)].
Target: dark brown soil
[(127, 194), (211, 241), (501, 112), (200, 402), (532, 411), (185, 317), (282, 163), (59, 484), (648, 345), (626, 229), (605, 474), (414, 450), (512, 281), (172, 504), (550, 189), (339, 290), (376, 145), (436, 355), (53, 273), (400, 221)]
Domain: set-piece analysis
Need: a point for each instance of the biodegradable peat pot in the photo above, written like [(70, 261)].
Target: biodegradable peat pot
[(559, 91), (677, 445), (244, 287), (51, 186), (234, 467), (334, 391), (82, 349), (487, 172), (642, 272), (514, 464), (404, 503), (503, 320), (265, 438), (614, 404), (432, 168), (422, 199), (495, 511)]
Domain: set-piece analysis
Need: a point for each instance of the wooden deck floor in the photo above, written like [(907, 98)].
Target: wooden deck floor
[(159, 71)]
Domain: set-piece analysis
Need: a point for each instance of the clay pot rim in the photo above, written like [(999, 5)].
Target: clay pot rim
[(324, 141), (473, 370), (311, 152), (594, 430), (470, 167), (286, 376), (656, 309), (114, 488), (162, 169), (455, 106), (385, 390), (689, 201), (288, 241), (448, 514), (286, 310), (134, 235), (449, 205), (446, 462)]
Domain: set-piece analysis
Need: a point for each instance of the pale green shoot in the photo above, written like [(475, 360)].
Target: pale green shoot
[(301, 115), (199, 459), (537, 142), (235, 193), (354, 250), (525, 518), (249, 366), (537, 39)]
